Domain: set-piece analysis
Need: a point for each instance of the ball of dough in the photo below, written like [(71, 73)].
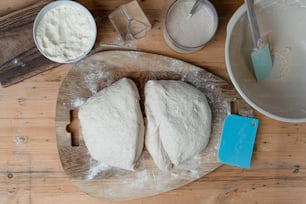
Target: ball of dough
[(178, 122), (112, 125)]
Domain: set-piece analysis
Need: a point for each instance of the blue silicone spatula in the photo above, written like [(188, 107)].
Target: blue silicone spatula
[(237, 141), (261, 57)]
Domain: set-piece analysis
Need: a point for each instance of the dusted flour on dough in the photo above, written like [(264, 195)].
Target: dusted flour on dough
[(112, 125), (178, 122), (65, 33)]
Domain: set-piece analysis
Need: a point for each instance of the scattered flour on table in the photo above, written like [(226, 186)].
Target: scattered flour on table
[(19, 140)]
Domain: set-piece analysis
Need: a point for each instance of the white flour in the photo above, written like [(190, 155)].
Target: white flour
[(77, 102), (191, 31), (65, 33), (96, 168)]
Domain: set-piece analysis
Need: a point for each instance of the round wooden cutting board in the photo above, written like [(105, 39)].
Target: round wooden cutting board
[(100, 70)]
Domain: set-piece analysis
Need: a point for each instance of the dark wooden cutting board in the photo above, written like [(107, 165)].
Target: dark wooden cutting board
[(19, 58)]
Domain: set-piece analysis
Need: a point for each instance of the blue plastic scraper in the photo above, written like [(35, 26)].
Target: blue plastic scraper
[(237, 141)]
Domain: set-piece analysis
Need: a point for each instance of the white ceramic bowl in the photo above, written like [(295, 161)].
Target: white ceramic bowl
[(52, 5), (281, 96)]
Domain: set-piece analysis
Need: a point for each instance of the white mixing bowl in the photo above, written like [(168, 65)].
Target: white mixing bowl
[(281, 96)]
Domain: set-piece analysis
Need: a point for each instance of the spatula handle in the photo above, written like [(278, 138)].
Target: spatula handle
[(195, 6), (252, 21)]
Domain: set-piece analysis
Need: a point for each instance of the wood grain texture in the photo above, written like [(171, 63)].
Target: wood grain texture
[(21, 53), (30, 167), (21, 59), (100, 70)]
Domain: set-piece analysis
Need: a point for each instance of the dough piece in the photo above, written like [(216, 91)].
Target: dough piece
[(112, 125), (178, 122)]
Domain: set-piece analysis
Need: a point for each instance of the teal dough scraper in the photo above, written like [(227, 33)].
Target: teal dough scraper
[(237, 140)]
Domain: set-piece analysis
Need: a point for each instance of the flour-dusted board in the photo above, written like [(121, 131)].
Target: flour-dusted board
[(100, 70)]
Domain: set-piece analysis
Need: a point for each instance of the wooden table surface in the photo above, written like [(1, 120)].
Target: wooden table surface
[(30, 169)]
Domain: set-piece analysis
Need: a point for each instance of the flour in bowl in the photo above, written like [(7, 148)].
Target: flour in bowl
[(191, 31), (65, 32)]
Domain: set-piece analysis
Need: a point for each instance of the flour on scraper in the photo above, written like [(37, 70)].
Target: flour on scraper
[(178, 122), (112, 125)]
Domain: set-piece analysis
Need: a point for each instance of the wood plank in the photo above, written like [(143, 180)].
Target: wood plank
[(7, 7), (24, 100), (240, 189), (21, 58), (277, 173)]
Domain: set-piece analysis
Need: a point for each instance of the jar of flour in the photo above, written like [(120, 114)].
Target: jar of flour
[(186, 33)]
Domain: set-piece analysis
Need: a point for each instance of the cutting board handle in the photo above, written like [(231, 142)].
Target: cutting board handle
[(73, 128)]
